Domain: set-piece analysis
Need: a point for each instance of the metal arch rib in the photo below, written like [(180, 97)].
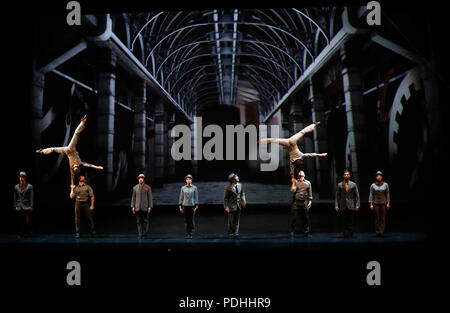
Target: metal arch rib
[(200, 67), (315, 24), (239, 40), (240, 54), (228, 23), (142, 28)]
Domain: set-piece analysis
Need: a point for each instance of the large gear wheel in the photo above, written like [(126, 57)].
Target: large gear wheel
[(411, 83), (408, 127)]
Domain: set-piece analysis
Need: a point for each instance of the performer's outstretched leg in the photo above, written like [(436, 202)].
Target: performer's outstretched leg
[(296, 137), (280, 141), (76, 134)]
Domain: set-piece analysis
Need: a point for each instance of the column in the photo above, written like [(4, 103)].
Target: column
[(150, 144), (170, 140), (356, 133), (106, 111), (159, 146), (37, 99), (308, 139), (323, 179), (140, 129), (284, 133), (194, 162)]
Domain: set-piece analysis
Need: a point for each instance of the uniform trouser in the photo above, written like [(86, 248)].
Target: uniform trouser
[(349, 221), (380, 218), (188, 218), (24, 220), (142, 222), (83, 206), (300, 211), (233, 222)]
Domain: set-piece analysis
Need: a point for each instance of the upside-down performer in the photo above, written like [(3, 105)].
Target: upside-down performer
[(72, 154), (295, 155)]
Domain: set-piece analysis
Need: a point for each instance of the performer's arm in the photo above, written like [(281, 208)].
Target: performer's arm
[(225, 199), (92, 203), (31, 197), (92, 166), (309, 196), (388, 197), (371, 197), (243, 200), (133, 199), (72, 191), (337, 198), (357, 197), (196, 197), (292, 172), (150, 200), (312, 155), (91, 194)]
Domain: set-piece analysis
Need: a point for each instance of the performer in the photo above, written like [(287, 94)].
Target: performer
[(301, 203), (24, 202), (72, 154), (379, 200), (188, 204), (82, 193), (234, 202), (141, 205), (295, 155), (347, 201)]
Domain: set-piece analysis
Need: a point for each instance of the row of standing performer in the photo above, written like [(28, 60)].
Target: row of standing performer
[(347, 201)]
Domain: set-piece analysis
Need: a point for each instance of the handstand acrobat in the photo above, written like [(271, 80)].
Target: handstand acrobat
[(295, 155), (72, 154)]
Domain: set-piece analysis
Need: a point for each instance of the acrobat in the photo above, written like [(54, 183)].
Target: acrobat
[(295, 155), (72, 154)]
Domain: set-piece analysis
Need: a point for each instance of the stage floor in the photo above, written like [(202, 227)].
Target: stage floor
[(168, 241)]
